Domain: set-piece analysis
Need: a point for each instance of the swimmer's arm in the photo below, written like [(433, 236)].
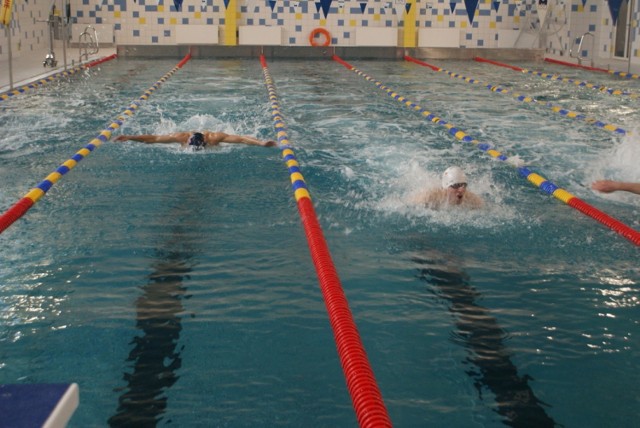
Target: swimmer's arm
[(221, 137), (176, 137), (608, 186)]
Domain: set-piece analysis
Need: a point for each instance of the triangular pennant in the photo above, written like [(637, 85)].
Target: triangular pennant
[(471, 6), (614, 8), (226, 4), (363, 6), (272, 3), (584, 2), (407, 7), (318, 5), (326, 5), (178, 5), (496, 5), (452, 5)]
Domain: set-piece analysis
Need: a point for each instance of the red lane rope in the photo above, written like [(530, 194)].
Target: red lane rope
[(568, 64), (499, 64), (615, 225), (361, 383), (365, 394)]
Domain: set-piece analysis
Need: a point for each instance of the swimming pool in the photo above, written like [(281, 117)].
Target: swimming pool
[(177, 287)]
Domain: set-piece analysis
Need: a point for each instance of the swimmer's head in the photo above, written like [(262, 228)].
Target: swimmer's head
[(197, 141), (453, 177)]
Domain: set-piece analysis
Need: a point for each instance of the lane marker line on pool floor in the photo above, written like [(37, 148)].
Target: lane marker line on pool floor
[(534, 178)]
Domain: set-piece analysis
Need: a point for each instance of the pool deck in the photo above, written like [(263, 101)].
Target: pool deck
[(28, 68)]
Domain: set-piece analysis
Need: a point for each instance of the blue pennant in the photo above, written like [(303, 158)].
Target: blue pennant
[(584, 2), (614, 8), (178, 5), (407, 7), (226, 4), (471, 8), (496, 5), (318, 7), (452, 5), (272, 3), (363, 6), (326, 4)]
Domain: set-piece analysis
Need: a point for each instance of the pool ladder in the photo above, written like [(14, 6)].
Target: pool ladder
[(578, 55), (88, 43)]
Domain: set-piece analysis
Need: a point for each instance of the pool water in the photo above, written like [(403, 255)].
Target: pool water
[(176, 287)]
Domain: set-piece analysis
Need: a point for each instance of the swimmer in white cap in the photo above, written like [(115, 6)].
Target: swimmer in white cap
[(453, 192)]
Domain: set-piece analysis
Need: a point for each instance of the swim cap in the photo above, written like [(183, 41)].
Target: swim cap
[(453, 175), (197, 140)]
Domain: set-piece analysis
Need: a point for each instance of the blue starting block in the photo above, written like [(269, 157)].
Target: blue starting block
[(37, 406)]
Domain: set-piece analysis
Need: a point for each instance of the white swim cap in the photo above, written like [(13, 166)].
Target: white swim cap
[(453, 175)]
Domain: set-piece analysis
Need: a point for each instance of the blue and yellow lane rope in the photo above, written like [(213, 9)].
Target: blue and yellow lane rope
[(36, 193), (581, 84), (538, 180), (363, 388), (38, 83), (615, 73), (298, 183), (625, 74), (527, 99)]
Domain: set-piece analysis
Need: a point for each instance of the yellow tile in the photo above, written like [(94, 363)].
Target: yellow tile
[(160, 8), (463, 24), (353, 23), (173, 21), (197, 15), (116, 14), (376, 17), (298, 16), (440, 18), (142, 21), (492, 24)]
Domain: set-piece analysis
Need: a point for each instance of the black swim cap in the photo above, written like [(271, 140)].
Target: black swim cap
[(197, 141)]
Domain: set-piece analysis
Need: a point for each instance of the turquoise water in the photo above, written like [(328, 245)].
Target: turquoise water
[(176, 287)]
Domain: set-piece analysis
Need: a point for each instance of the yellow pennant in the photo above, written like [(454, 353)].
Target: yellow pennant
[(5, 11)]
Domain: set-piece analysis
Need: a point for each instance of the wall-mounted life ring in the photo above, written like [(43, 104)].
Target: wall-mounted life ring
[(318, 31)]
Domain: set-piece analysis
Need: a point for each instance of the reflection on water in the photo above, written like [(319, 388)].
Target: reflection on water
[(154, 355), (488, 358)]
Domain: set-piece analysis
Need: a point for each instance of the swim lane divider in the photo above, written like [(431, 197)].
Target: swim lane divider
[(534, 178), (361, 383), (555, 77), (27, 201), (524, 98), (33, 85)]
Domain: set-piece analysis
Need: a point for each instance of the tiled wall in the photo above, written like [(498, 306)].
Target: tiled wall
[(154, 22), (28, 33)]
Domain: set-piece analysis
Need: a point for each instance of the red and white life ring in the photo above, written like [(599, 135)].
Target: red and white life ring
[(319, 31)]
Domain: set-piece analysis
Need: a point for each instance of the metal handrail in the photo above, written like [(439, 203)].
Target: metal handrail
[(578, 56), (88, 42)]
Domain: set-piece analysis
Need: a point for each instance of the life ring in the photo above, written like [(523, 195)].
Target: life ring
[(317, 31)]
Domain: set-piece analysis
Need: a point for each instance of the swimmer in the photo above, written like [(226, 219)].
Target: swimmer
[(199, 140), (608, 186), (453, 193)]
